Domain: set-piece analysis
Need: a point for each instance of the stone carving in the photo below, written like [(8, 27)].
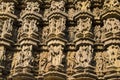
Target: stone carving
[(27, 55), (44, 63), (17, 60), (111, 25), (30, 26), (56, 55), (111, 3), (71, 61), (45, 33), (57, 26), (32, 7), (57, 5), (83, 5), (2, 56), (98, 33), (113, 51), (97, 12), (84, 56), (6, 27), (83, 25), (99, 63), (7, 7)]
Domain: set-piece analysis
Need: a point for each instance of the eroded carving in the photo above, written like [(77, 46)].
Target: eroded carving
[(84, 56), (83, 5)]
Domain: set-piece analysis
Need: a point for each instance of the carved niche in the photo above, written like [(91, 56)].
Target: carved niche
[(113, 52), (83, 5), (84, 55), (6, 27), (28, 27), (57, 25), (71, 61), (44, 62), (83, 25), (111, 25), (57, 5), (56, 55), (27, 57), (98, 33)]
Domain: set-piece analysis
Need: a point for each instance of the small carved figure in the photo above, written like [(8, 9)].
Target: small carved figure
[(84, 25), (99, 63), (2, 56), (17, 60), (56, 55), (33, 26), (71, 60), (57, 5), (84, 56), (97, 32), (27, 55)]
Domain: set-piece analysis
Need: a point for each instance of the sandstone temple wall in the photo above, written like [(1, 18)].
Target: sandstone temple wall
[(59, 39)]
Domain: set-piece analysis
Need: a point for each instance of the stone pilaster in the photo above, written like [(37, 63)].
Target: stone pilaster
[(110, 17), (7, 18), (84, 41), (56, 41), (28, 39)]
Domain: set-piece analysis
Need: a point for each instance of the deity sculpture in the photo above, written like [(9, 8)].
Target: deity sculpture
[(7, 27), (27, 55), (57, 26), (17, 60), (112, 51), (56, 55), (83, 25), (71, 60), (98, 33), (44, 62), (84, 56)]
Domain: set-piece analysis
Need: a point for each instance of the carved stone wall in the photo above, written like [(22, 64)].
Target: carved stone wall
[(59, 39)]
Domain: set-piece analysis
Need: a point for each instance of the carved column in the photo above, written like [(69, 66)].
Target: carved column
[(111, 21), (7, 19), (28, 39), (56, 41), (84, 41)]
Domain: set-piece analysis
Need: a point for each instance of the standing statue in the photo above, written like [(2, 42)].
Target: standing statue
[(71, 61), (17, 60), (84, 56), (97, 32), (33, 26), (99, 63), (27, 55), (2, 56), (56, 55)]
